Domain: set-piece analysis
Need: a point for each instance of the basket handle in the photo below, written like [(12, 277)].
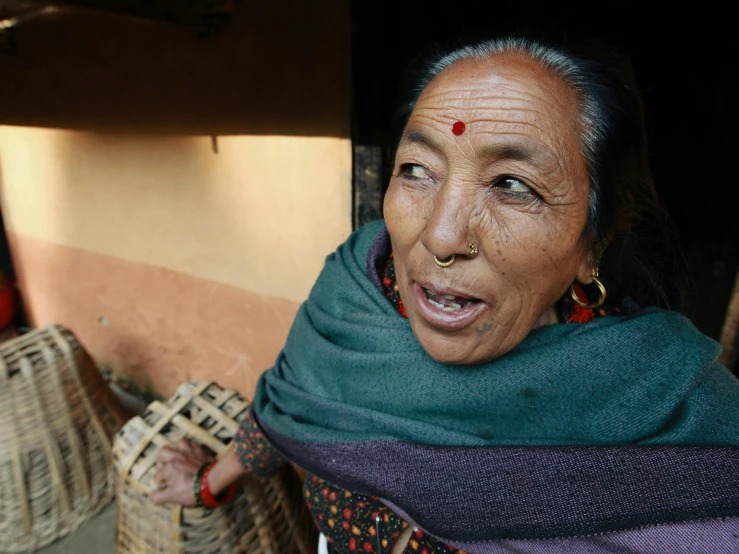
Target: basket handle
[(125, 465), (195, 431)]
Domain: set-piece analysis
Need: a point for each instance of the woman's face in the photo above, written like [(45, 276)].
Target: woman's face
[(514, 183)]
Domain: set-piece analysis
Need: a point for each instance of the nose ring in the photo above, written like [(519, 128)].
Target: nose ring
[(473, 248), (449, 261)]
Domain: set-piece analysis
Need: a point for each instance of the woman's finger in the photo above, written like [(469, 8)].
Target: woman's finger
[(202, 456), (199, 452), (185, 446), (161, 496), (160, 476), (191, 450), (168, 454), (178, 478)]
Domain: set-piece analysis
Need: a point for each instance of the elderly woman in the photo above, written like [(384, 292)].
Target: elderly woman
[(476, 371)]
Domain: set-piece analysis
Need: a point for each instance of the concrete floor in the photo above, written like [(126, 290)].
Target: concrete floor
[(95, 536)]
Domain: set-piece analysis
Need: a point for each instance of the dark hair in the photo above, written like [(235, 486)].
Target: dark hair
[(627, 227)]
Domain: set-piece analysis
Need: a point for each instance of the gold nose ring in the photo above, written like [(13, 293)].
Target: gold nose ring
[(449, 261), (473, 248)]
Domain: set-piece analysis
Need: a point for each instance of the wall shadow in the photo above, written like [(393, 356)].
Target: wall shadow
[(278, 70), (6, 264)]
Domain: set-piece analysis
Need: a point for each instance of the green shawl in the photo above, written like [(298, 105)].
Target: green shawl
[(352, 370)]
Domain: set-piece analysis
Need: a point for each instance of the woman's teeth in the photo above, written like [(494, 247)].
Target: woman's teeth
[(448, 302)]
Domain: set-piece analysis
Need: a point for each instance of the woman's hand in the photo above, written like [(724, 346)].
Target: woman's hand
[(176, 470)]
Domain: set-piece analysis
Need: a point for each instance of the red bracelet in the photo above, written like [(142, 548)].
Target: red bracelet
[(210, 501)]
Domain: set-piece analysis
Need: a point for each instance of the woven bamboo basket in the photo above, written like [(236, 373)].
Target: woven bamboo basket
[(265, 517), (57, 417)]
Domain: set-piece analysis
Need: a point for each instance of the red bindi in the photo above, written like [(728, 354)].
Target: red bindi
[(458, 128)]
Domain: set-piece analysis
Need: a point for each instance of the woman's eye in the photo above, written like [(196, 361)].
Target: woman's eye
[(514, 185), (414, 171)]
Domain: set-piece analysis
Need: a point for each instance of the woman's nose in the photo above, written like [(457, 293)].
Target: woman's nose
[(447, 229)]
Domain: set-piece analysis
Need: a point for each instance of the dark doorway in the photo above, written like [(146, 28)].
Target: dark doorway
[(686, 66)]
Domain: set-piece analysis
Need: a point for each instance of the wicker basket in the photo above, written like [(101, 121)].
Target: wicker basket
[(265, 517), (57, 417)]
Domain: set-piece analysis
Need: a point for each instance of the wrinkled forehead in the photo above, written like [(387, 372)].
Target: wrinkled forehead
[(512, 83)]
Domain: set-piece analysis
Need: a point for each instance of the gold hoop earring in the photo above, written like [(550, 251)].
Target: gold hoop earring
[(473, 248), (447, 263), (601, 293)]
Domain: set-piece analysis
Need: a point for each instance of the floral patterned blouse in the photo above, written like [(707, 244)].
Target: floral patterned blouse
[(354, 522)]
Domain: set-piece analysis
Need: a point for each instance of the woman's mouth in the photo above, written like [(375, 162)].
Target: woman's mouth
[(446, 309), (448, 302)]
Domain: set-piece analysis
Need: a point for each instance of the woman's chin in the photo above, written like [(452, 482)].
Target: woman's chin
[(450, 358), (461, 349)]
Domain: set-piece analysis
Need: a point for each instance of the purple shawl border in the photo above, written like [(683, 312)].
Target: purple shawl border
[(694, 537), (524, 493)]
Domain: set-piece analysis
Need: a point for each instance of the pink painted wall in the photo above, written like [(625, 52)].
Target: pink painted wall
[(159, 325)]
